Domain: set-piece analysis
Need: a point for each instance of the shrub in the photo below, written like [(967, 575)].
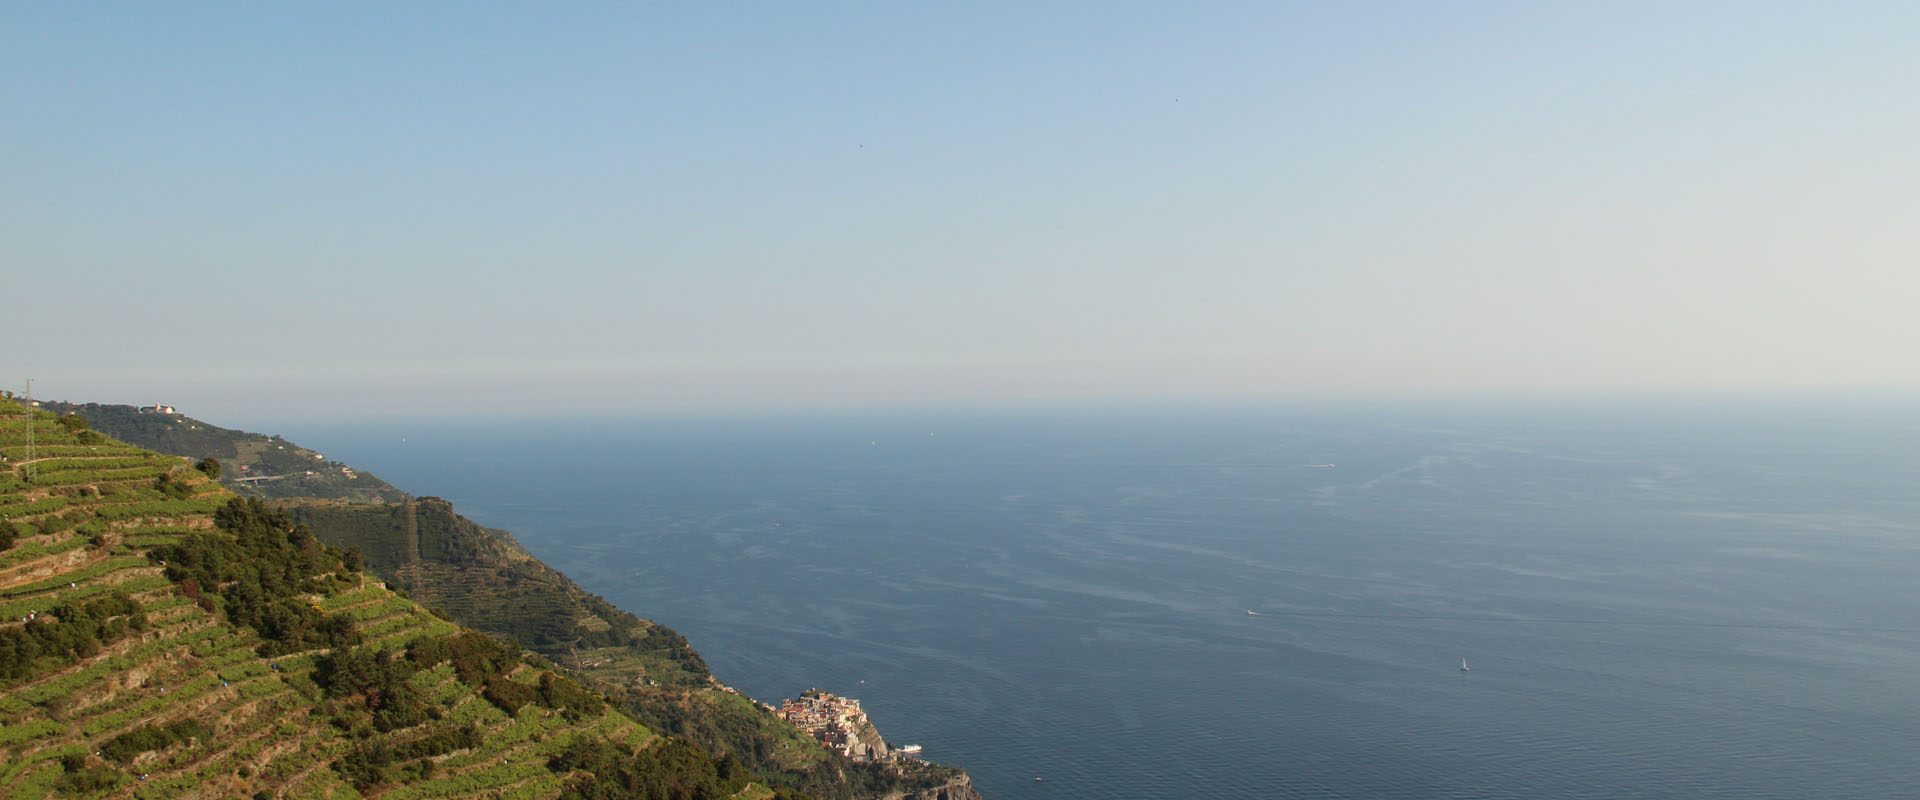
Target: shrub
[(379, 681), (172, 487), (370, 764), (78, 779), (562, 694), (150, 737), (79, 632), (509, 695)]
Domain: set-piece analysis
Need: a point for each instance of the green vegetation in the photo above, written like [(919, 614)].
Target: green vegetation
[(373, 763), (147, 738), (263, 569), (167, 485), (68, 634), (674, 769), (376, 682), (77, 777)]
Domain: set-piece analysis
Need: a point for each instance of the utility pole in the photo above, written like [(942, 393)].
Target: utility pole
[(29, 472)]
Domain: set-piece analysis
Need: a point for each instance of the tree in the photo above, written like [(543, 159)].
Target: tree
[(73, 423), (210, 466)]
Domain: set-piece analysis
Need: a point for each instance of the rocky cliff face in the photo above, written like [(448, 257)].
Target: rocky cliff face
[(864, 742)]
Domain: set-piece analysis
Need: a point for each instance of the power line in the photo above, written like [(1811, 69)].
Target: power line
[(29, 471)]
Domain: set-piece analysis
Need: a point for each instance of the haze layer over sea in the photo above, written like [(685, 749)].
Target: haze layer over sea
[(1657, 601)]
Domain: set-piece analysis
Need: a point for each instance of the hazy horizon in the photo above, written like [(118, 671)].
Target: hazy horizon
[(354, 210)]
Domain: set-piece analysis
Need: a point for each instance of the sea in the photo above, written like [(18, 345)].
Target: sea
[(1687, 598)]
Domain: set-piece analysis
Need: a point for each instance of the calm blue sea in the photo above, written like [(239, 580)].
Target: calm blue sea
[(1689, 600)]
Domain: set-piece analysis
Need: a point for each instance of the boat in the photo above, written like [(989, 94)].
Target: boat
[(1252, 613), (1463, 665), (912, 749)]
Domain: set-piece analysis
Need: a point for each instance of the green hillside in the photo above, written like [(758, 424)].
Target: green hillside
[(160, 637), (481, 578), (255, 464)]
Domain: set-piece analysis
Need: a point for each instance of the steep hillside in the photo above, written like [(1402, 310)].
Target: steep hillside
[(481, 578), (256, 464), (161, 638)]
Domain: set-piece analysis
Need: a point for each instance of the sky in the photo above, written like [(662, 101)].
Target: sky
[(343, 209)]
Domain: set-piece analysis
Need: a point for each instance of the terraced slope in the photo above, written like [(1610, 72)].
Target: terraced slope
[(161, 638), (255, 464)]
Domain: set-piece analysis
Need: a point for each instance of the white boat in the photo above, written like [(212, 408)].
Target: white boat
[(1463, 665), (912, 749)]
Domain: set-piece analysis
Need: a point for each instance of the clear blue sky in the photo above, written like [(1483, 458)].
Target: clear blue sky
[(266, 210)]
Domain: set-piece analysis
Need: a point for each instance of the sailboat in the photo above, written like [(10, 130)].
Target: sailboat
[(1463, 665)]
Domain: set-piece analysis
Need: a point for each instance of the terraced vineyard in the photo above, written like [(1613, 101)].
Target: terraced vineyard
[(256, 664), (255, 464)]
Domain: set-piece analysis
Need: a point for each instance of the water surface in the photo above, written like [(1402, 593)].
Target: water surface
[(1656, 601)]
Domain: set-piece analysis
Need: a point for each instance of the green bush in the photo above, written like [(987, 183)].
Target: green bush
[(508, 694), (377, 681), (173, 487), (150, 737), (562, 694), (373, 763), (67, 633), (77, 779)]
